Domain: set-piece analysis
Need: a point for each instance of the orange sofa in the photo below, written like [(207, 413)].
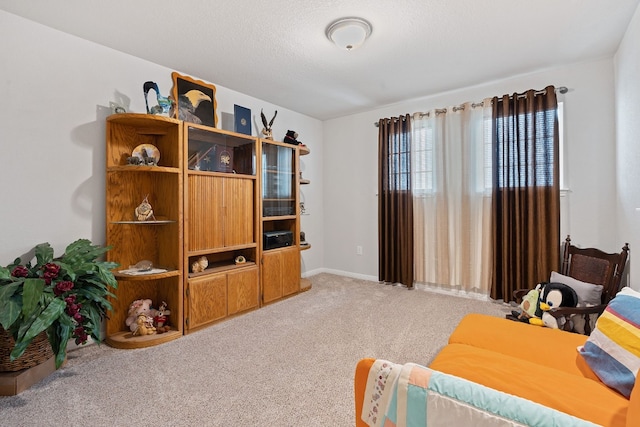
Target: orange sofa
[(534, 363)]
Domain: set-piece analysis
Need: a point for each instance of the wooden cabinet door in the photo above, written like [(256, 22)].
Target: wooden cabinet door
[(271, 276), (206, 300), (238, 208), (280, 273), (290, 270), (204, 212), (242, 288)]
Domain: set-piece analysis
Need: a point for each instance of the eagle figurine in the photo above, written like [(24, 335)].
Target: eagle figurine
[(266, 131)]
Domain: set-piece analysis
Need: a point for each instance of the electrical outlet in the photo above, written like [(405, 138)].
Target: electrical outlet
[(358, 250)]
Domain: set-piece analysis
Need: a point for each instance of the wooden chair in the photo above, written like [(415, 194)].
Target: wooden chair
[(589, 265)]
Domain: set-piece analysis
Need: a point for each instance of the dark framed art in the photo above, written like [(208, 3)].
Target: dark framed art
[(242, 122), (195, 100)]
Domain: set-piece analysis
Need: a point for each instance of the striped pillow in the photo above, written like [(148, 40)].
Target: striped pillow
[(613, 349)]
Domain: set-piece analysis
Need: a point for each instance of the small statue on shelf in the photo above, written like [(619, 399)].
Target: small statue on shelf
[(144, 211), (266, 131), (164, 103), (200, 264)]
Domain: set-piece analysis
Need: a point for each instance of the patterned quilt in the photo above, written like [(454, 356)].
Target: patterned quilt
[(412, 395)]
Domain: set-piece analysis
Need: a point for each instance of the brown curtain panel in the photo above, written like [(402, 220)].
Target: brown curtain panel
[(526, 191), (395, 203)]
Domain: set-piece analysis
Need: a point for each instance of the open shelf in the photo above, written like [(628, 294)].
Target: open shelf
[(141, 277), (126, 339), (161, 221), (139, 168), (220, 267)]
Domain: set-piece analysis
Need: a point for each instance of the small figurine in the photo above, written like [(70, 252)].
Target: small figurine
[(160, 318), (291, 138), (200, 264), (266, 131), (164, 103), (145, 325), (144, 211)]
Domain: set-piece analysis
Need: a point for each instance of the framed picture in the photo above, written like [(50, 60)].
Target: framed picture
[(195, 100), (242, 119)]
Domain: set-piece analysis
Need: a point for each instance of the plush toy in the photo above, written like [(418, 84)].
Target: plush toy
[(160, 319), (291, 138), (530, 306), (137, 308), (555, 295), (144, 325)]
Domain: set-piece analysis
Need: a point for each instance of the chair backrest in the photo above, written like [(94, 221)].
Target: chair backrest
[(592, 265)]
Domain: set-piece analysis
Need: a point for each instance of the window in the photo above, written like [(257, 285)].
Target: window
[(423, 160), (544, 153)]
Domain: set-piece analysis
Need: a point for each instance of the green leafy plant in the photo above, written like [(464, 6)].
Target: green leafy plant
[(64, 296)]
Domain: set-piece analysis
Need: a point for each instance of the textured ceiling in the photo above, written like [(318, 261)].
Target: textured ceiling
[(277, 50)]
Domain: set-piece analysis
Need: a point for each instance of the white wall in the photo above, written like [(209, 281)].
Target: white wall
[(55, 90), (627, 64), (350, 169)]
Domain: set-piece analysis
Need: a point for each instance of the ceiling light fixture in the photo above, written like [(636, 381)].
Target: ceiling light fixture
[(348, 33)]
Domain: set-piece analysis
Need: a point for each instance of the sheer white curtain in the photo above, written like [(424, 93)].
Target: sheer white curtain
[(451, 179)]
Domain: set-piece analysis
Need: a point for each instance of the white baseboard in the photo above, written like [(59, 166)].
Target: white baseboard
[(340, 273)]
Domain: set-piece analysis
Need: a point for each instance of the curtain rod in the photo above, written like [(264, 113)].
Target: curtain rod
[(560, 89)]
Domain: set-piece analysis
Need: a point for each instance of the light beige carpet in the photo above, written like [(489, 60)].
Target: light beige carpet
[(287, 364)]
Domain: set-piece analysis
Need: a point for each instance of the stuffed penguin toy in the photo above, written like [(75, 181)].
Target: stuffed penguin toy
[(554, 295)]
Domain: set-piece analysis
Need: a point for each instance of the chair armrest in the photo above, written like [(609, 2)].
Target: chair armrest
[(559, 312), (565, 311)]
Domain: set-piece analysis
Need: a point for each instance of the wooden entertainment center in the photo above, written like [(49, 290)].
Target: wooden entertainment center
[(214, 193)]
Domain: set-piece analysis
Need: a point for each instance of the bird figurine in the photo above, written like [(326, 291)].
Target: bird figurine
[(187, 105), (266, 131), (164, 103)]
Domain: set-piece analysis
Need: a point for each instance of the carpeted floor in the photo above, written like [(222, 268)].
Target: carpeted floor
[(287, 364)]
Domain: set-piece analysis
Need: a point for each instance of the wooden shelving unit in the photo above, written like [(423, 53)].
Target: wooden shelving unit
[(221, 224), (279, 213), (213, 194), (158, 240)]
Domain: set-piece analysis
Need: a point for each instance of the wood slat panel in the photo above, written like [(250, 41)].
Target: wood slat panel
[(205, 212), (239, 210)]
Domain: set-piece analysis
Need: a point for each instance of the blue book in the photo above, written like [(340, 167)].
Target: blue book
[(242, 119)]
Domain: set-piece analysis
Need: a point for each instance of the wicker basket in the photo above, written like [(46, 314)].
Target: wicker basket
[(37, 352)]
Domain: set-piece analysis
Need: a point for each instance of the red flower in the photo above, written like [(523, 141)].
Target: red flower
[(20, 271), (50, 272), (73, 309), (62, 287), (80, 334)]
